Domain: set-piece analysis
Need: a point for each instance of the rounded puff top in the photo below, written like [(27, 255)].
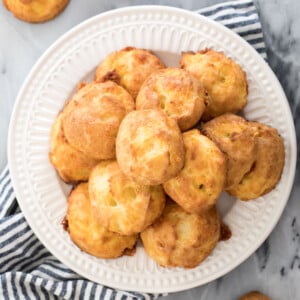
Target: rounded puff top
[(149, 147)]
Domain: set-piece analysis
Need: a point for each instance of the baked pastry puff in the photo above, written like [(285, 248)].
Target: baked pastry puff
[(182, 239), (35, 11), (128, 67), (254, 295), (88, 234), (199, 184), (179, 94), (267, 167), (149, 147), (120, 204), (237, 139), (71, 164), (223, 79), (91, 119)]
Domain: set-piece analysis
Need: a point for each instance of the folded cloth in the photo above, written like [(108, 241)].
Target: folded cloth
[(27, 269)]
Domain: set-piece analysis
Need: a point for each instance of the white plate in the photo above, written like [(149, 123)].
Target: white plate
[(42, 195)]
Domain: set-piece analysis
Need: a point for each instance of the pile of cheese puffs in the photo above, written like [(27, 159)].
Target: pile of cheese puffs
[(149, 149)]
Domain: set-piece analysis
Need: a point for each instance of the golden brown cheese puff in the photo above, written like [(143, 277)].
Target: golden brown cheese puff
[(35, 11), (181, 239), (254, 296), (199, 184), (175, 91), (72, 165), (236, 138), (120, 204), (128, 67), (223, 79), (149, 147), (267, 167), (87, 233), (91, 119)]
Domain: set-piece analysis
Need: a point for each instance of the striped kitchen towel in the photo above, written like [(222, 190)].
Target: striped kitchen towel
[(27, 269)]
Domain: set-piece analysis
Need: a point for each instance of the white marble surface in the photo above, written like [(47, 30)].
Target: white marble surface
[(275, 267)]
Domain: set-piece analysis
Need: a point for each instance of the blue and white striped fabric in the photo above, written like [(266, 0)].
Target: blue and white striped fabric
[(242, 18), (27, 269)]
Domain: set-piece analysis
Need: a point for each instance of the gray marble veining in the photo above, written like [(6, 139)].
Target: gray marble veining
[(275, 267)]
